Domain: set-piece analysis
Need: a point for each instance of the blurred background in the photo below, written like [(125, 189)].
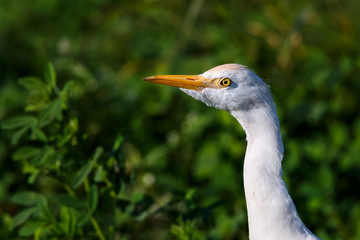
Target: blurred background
[(187, 158)]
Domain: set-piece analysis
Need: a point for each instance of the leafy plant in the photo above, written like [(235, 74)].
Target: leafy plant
[(50, 147), (186, 230), (157, 143)]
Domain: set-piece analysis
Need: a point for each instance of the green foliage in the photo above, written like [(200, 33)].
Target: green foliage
[(186, 230), (90, 151), (87, 183), (51, 148)]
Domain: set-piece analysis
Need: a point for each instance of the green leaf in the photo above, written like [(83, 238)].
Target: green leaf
[(21, 217), (82, 174), (70, 200), (68, 220), (28, 198), (72, 223), (84, 219), (32, 83), (18, 134), (98, 177), (25, 153), (67, 87), (190, 194), (64, 219), (50, 75), (33, 176), (42, 231), (29, 228), (51, 112), (85, 170), (19, 121), (44, 156), (97, 154), (48, 214), (69, 132), (92, 198), (118, 142), (36, 106), (137, 197), (39, 134)]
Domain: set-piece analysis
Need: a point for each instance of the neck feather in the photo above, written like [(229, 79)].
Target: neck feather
[(271, 211)]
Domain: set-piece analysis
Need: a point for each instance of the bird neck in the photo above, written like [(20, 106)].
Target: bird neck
[(271, 211), (265, 147)]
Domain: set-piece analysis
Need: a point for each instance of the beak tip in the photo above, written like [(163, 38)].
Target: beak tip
[(148, 78)]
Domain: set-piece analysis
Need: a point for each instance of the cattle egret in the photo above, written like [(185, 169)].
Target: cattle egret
[(232, 87)]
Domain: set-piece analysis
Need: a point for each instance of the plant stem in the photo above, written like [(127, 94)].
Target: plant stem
[(69, 190), (86, 185), (97, 228), (93, 220)]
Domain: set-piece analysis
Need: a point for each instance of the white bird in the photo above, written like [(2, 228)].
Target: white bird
[(232, 87)]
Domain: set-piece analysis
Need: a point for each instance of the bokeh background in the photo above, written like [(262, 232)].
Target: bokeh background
[(182, 162)]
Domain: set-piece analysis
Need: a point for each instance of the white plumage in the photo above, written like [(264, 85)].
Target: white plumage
[(232, 87)]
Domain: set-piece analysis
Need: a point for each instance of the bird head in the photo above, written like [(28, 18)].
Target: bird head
[(230, 87)]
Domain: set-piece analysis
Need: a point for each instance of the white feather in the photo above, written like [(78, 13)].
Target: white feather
[(271, 212)]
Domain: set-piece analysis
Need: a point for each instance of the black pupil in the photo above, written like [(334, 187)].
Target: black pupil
[(225, 82)]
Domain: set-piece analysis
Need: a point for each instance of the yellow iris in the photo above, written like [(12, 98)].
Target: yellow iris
[(224, 82)]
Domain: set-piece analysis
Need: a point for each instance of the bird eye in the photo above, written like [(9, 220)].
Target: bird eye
[(225, 82)]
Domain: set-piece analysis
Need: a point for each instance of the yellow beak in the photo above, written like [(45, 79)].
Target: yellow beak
[(193, 82)]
